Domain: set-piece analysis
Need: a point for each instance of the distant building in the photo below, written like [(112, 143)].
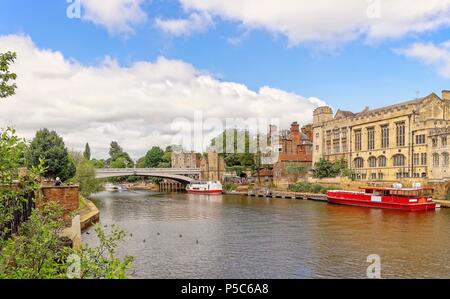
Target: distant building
[(439, 151), (294, 150), (212, 166), (185, 160)]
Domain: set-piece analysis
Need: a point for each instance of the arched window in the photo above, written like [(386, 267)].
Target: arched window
[(382, 162), (372, 162), (445, 159), (435, 160), (399, 160), (359, 163)]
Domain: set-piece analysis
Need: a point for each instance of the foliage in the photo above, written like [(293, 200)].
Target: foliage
[(37, 251), (7, 85), (119, 158), (229, 187), (329, 169), (447, 196), (153, 157), (85, 175), (49, 146), (98, 163), (87, 152), (311, 188), (100, 262), (15, 188)]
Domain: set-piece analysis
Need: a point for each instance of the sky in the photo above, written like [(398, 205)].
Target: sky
[(141, 71)]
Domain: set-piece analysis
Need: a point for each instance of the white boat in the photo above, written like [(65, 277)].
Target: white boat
[(205, 188)]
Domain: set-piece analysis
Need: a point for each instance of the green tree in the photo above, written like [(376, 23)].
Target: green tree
[(98, 163), (38, 252), (7, 84), (49, 146), (115, 149), (119, 158), (13, 199), (85, 175), (87, 152), (328, 169), (153, 157)]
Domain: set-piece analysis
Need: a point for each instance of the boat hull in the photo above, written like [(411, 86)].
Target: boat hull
[(362, 200), (205, 191)]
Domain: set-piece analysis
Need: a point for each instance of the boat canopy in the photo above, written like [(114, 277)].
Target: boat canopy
[(407, 192)]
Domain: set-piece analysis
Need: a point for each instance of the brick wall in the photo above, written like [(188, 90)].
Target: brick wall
[(66, 196)]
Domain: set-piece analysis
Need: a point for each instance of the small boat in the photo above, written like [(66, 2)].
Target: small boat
[(396, 198), (113, 188), (205, 188)]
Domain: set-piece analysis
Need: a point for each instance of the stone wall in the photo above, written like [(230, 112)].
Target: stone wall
[(66, 196)]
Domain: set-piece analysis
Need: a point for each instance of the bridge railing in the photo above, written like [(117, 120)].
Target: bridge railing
[(153, 170)]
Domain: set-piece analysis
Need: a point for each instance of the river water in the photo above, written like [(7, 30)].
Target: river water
[(199, 236)]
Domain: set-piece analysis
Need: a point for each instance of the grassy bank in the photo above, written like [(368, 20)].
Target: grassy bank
[(311, 188)]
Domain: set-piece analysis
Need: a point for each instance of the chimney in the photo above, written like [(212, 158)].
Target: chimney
[(295, 133), (446, 95)]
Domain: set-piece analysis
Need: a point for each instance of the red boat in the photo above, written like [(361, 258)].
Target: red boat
[(397, 198)]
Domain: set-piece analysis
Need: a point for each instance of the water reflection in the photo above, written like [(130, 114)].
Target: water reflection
[(242, 237)]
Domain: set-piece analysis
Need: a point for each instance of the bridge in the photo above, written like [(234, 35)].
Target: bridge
[(182, 175)]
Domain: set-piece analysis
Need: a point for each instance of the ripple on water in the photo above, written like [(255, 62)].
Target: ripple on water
[(241, 237)]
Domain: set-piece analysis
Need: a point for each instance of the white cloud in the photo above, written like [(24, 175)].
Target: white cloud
[(196, 22), (117, 16), (437, 56), (136, 105), (330, 20)]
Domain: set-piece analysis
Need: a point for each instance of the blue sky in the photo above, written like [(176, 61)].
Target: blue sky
[(355, 69), (349, 76)]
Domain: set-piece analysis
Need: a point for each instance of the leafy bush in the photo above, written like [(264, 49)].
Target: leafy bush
[(229, 187), (311, 188)]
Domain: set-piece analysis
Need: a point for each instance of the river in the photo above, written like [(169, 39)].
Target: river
[(199, 236)]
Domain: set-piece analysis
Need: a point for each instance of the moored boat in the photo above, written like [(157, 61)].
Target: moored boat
[(396, 198), (205, 188)]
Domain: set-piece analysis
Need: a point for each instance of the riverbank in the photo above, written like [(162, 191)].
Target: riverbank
[(282, 194), (89, 215)]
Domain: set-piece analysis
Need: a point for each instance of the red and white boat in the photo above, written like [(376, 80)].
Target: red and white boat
[(205, 188), (396, 198)]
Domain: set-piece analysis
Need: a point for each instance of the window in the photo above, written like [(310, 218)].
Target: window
[(444, 141), (385, 136), (359, 163), (336, 146), (336, 134), (434, 142), (423, 158), (373, 176), (435, 160), (344, 139), (400, 129), (382, 161), (420, 139), (416, 159), (329, 147), (380, 176), (344, 145), (317, 148), (371, 138), (372, 162), (358, 140), (399, 160), (445, 160)]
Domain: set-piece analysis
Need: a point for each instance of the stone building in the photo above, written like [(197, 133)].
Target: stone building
[(185, 160), (439, 151), (212, 167), (384, 144), (294, 148)]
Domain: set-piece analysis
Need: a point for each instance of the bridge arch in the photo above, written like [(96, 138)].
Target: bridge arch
[(184, 176)]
